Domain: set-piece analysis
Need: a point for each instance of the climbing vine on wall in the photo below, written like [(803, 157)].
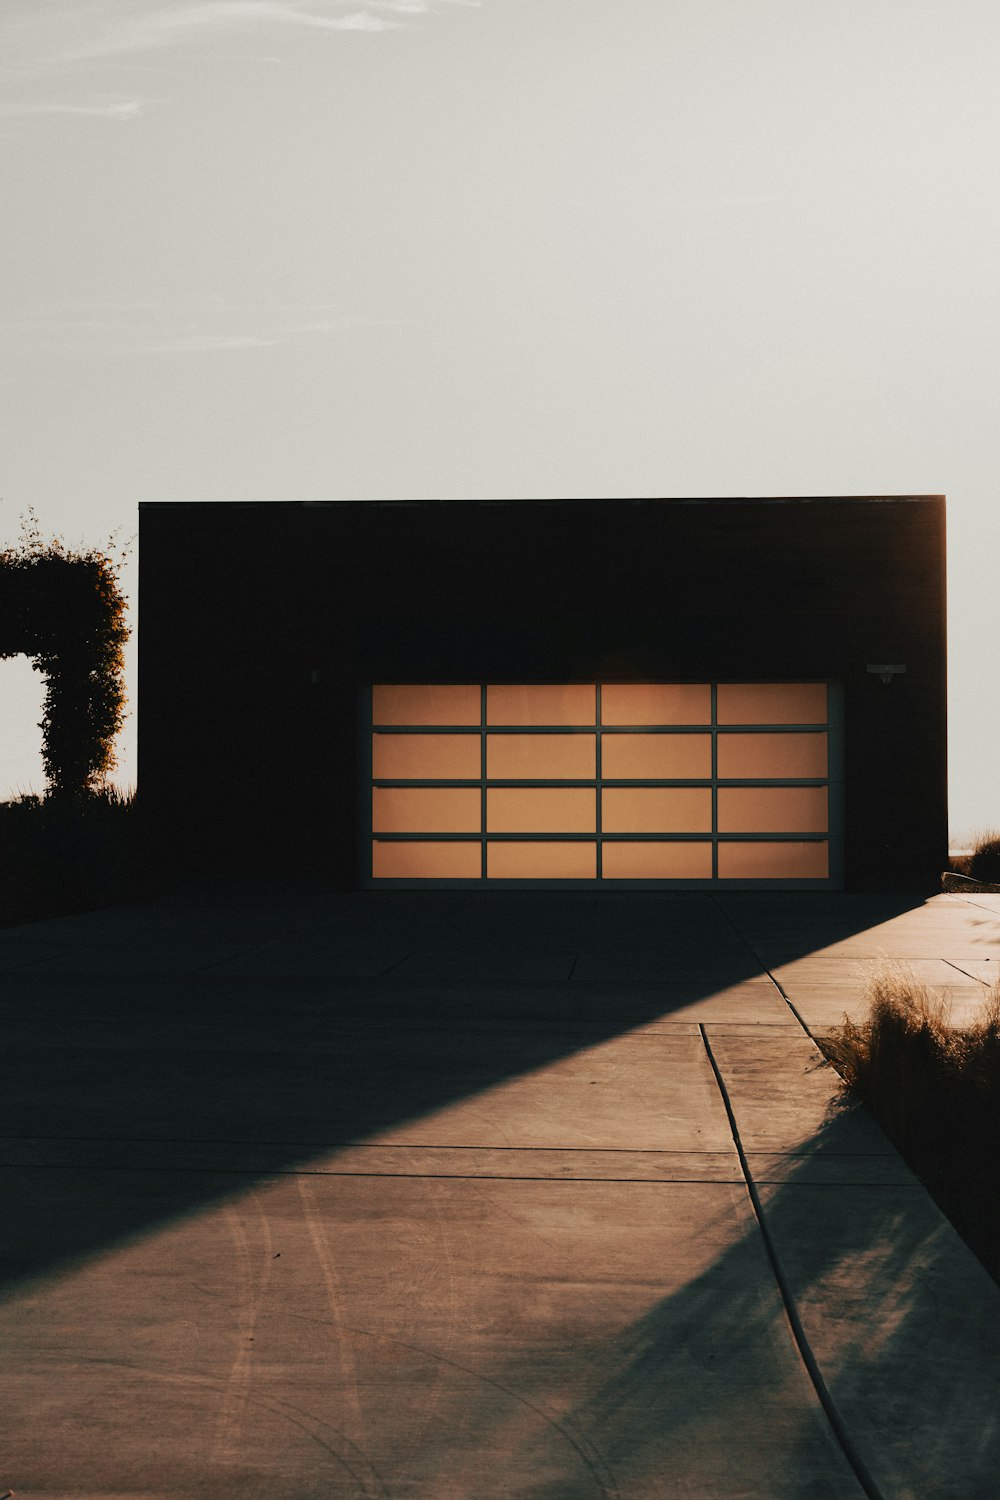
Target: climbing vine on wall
[(64, 609)]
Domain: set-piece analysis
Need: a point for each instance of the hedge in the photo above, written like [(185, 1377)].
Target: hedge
[(65, 610)]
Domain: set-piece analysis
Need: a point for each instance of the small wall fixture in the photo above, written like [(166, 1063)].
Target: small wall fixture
[(886, 673)]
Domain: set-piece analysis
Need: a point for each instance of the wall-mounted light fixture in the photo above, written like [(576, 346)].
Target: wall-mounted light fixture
[(886, 673)]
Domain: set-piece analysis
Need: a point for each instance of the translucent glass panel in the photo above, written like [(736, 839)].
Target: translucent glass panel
[(413, 860), (771, 702), (654, 861), (557, 809), (763, 861), (428, 703), (541, 757), (772, 755), (426, 757), (648, 809), (425, 809), (541, 861), (568, 703), (656, 703), (655, 757), (773, 809)]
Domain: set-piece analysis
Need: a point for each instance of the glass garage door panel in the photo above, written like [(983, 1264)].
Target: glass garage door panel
[(656, 703), (541, 860), (413, 860), (532, 757), (655, 809), (421, 809), (426, 757), (765, 756), (647, 757), (658, 860), (534, 809), (772, 702), (773, 809), (435, 703), (752, 860), (691, 783), (537, 704)]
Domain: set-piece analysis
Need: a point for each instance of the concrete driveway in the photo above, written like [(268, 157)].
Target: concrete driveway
[(478, 1195)]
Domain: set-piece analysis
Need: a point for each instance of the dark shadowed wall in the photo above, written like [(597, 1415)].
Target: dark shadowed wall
[(260, 625)]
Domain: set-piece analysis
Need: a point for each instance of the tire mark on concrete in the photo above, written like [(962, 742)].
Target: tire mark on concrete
[(330, 1439), (252, 1289), (590, 1458), (348, 1368)]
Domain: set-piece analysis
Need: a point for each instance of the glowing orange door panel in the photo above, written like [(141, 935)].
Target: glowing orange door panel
[(426, 757), (541, 861), (432, 703), (751, 860), (425, 809), (655, 861), (771, 702), (638, 757), (773, 809), (570, 703), (413, 860), (540, 757), (777, 755), (656, 703), (557, 809), (659, 809)]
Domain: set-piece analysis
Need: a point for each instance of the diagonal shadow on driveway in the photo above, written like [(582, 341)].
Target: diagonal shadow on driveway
[(252, 1033), (438, 1197)]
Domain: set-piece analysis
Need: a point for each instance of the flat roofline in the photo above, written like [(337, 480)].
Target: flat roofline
[(557, 500)]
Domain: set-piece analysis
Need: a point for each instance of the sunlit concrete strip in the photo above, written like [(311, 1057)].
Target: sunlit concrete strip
[(948, 944)]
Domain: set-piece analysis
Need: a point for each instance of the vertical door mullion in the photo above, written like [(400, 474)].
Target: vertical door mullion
[(598, 788), (482, 779), (715, 780)]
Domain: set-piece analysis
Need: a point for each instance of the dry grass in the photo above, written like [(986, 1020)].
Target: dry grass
[(935, 1090), (984, 861)]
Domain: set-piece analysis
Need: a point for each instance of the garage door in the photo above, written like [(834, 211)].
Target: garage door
[(692, 784)]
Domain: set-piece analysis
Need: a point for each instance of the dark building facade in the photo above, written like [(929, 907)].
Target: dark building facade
[(606, 693)]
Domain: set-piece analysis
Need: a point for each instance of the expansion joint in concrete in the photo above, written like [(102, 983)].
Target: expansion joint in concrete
[(760, 964), (833, 1416)]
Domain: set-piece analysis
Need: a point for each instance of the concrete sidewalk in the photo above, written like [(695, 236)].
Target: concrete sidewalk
[(481, 1195)]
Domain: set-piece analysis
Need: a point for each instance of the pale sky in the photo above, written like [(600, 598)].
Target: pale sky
[(304, 250)]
